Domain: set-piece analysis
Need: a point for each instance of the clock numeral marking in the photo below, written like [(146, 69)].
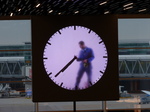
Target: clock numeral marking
[(50, 73), (105, 56), (100, 42), (102, 72), (89, 31), (49, 43), (59, 32), (45, 58), (74, 27), (61, 84)]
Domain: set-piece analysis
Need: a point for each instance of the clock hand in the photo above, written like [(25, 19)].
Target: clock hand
[(66, 66)]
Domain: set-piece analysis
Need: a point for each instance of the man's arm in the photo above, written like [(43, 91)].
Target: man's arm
[(91, 56), (80, 57)]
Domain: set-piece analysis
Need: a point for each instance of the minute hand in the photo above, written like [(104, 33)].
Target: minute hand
[(66, 66)]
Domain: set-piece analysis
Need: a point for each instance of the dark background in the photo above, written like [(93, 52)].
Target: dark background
[(45, 90)]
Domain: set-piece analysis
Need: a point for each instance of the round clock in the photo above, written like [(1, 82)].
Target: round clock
[(75, 58)]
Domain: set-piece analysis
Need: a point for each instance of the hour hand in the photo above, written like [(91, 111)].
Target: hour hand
[(66, 66)]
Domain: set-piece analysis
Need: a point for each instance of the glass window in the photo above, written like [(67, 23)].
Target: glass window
[(16, 71), (15, 74), (134, 61)]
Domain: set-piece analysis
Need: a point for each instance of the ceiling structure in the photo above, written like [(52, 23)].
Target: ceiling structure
[(73, 7)]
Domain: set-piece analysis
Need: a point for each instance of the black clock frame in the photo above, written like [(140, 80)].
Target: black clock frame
[(45, 90)]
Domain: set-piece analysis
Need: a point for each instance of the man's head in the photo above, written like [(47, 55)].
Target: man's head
[(82, 44)]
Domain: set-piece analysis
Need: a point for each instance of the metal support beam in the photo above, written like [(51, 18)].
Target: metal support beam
[(104, 105), (134, 67), (36, 107), (11, 67)]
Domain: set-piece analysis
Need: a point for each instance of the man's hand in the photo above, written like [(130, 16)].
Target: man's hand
[(75, 57), (85, 61)]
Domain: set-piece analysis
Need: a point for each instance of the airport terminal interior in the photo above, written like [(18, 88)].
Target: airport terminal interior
[(16, 54)]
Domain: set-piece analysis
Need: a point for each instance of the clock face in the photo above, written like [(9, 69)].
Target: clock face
[(75, 58)]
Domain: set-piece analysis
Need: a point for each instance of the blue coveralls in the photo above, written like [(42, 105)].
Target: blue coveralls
[(86, 53)]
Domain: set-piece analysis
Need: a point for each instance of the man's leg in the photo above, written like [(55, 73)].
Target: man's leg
[(79, 76), (89, 75)]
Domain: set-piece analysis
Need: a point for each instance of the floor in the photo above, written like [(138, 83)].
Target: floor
[(22, 104)]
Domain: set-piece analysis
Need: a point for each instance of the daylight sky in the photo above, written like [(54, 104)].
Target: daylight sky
[(15, 32), (134, 30)]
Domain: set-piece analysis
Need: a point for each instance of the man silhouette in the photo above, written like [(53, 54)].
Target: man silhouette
[(86, 56)]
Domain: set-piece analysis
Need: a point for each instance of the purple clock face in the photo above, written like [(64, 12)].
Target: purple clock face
[(75, 58)]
